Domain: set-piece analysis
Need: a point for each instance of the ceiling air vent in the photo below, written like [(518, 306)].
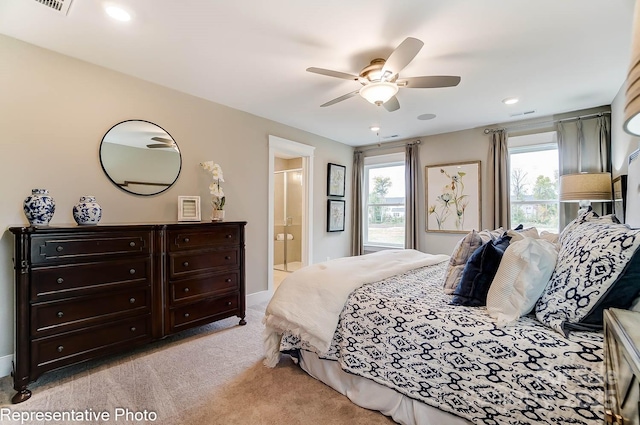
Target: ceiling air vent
[(393, 136), (519, 114), (61, 6)]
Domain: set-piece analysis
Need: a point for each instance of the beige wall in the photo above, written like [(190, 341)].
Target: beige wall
[(54, 111)]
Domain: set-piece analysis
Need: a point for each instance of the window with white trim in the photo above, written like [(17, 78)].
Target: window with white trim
[(384, 207), (533, 172)]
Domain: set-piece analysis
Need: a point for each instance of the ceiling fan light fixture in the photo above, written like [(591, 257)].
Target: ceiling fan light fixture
[(379, 92)]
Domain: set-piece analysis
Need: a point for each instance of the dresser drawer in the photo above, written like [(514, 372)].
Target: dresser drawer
[(183, 317), (68, 314), (197, 238), (70, 247), (188, 289), (194, 262), (72, 347), (63, 281)]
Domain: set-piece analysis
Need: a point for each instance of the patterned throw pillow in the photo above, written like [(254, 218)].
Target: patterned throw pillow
[(479, 272), (598, 267), (461, 253)]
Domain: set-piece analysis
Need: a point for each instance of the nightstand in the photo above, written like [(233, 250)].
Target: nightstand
[(622, 366)]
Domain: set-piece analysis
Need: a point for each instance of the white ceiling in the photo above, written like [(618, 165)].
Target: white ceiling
[(555, 55)]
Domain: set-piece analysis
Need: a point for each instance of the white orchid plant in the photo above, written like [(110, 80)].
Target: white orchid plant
[(217, 199)]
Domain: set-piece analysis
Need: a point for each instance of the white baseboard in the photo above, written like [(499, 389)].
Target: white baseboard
[(5, 365), (258, 298)]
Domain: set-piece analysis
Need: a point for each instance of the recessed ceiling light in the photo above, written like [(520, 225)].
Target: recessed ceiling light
[(118, 13), (425, 117), (374, 128), (510, 100)]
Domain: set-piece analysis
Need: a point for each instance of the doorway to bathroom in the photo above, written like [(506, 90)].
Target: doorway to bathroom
[(290, 208), (287, 217)]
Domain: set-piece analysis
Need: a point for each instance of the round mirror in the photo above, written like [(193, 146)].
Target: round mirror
[(140, 157)]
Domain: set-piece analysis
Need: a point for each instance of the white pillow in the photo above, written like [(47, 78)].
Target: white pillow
[(521, 278), (517, 235)]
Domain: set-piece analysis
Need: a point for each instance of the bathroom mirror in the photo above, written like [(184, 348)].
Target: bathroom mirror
[(140, 157)]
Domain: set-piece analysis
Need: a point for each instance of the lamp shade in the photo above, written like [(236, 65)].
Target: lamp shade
[(632, 105), (585, 187), (379, 92)]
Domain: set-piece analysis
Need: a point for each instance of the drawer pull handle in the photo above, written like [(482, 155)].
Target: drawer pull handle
[(229, 303), (185, 264), (132, 271), (60, 314), (186, 289), (133, 328), (60, 280), (60, 348), (228, 280), (229, 236), (227, 257), (132, 300), (132, 244), (186, 315), (186, 240), (59, 248)]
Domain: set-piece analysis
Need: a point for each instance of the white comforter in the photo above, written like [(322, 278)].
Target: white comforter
[(308, 302)]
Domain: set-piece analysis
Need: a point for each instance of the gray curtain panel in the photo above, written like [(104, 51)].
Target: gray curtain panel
[(411, 170), (584, 145), (499, 157), (357, 184)]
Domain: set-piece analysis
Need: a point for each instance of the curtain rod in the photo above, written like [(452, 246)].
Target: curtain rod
[(387, 146), (541, 123)]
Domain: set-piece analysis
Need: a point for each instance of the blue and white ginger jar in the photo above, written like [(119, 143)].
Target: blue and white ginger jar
[(39, 207), (87, 211)]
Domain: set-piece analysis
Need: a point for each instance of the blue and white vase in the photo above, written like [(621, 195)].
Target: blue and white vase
[(87, 211), (39, 207)]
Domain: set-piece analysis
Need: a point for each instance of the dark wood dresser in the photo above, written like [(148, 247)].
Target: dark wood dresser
[(622, 367), (84, 292)]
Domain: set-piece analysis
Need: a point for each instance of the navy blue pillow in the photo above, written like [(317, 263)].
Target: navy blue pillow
[(479, 272)]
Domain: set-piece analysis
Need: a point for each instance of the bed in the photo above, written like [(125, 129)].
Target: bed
[(397, 344)]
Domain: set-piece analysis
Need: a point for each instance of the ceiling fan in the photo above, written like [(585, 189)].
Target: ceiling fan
[(380, 80), (164, 143)]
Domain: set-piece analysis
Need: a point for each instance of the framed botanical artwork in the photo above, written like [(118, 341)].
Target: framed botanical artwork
[(336, 179), (188, 208), (620, 196), (335, 215), (452, 197)]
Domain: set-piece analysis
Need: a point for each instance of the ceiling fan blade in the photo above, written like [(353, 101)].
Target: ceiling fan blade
[(159, 145), (331, 73), (392, 104), (340, 99), (162, 140), (399, 58), (430, 82)]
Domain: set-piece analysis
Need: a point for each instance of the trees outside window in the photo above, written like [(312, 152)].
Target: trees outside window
[(534, 184)]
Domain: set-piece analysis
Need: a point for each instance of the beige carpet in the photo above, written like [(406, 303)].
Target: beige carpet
[(212, 375)]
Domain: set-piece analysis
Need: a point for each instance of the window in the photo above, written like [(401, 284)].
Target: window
[(533, 163), (384, 204)]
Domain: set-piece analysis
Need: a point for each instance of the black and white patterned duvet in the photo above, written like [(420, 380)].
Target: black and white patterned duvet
[(402, 333)]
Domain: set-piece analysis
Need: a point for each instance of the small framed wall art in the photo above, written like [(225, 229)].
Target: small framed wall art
[(335, 215), (453, 197), (336, 179), (188, 208)]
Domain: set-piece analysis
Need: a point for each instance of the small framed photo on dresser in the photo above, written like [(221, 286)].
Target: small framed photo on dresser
[(336, 179), (188, 208)]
